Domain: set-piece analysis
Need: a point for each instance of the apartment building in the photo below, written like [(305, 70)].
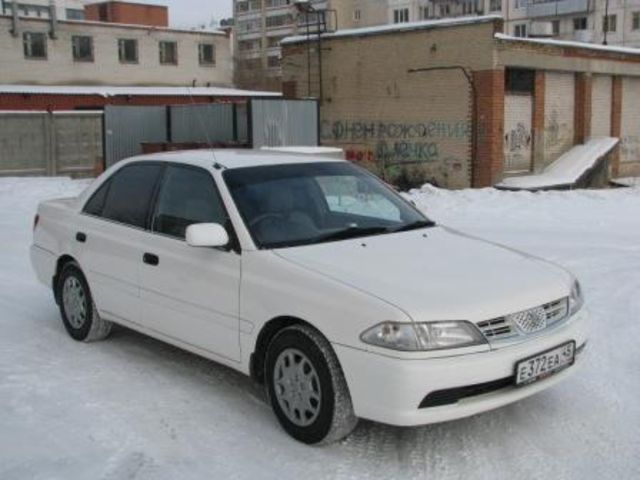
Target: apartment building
[(65, 9), (68, 52), (260, 25), (615, 22)]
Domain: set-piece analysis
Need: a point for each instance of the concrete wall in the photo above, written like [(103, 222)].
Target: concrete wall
[(398, 123), (41, 143), (60, 68)]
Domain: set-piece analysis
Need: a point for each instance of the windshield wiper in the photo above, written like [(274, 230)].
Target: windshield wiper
[(413, 226), (351, 232)]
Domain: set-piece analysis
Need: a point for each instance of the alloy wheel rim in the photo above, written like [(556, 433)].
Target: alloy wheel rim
[(74, 301), (297, 387)]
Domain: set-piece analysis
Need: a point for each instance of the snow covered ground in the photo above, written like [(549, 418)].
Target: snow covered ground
[(131, 407)]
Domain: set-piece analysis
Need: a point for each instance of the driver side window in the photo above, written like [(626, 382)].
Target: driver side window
[(187, 196)]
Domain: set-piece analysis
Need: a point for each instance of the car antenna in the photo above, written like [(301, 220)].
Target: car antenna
[(217, 165)]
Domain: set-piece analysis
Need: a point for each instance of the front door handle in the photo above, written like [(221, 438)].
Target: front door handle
[(150, 259)]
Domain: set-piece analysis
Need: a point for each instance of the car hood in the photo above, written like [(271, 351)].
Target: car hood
[(437, 273)]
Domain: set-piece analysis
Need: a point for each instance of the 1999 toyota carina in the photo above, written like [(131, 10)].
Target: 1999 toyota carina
[(315, 278)]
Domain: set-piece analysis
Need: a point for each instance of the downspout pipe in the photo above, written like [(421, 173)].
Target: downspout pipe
[(15, 19), (53, 18)]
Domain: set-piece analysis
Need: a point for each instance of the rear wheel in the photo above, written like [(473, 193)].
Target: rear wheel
[(78, 311), (306, 387)]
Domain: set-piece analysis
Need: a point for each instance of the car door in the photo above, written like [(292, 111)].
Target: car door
[(190, 294), (110, 239)]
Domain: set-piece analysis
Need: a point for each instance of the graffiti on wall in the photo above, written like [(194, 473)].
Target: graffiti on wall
[(391, 143), (630, 148), (354, 131), (518, 138)]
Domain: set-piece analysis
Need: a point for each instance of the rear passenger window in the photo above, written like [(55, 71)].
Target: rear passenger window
[(129, 194), (188, 196), (96, 203)]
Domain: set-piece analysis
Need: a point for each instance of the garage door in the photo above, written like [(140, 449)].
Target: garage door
[(601, 106), (517, 133), (559, 104), (630, 127)]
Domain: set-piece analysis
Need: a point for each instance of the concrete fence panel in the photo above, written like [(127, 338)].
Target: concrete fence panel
[(44, 143)]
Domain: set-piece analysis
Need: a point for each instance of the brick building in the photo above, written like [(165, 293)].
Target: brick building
[(457, 103), (128, 13)]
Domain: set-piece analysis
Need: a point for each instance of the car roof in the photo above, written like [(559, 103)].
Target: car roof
[(232, 159)]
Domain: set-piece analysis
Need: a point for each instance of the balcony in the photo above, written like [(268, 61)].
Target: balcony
[(554, 8)]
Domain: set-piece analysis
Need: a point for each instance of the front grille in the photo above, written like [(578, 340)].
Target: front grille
[(525, 322)]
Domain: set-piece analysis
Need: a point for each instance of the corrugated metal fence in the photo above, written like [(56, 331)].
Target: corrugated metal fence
[(66, 143), (284, 123), (44, 143)]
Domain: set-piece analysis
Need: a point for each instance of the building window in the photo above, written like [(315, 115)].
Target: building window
[(580, 23), (609, 23), (495, 5), (424, 13), (82, 47), (357, 15), (519, 80), (401, 15), (279, 20), (168, 53), (128, 50), (35, 45), (555, 27), (273, 61), (520, 30), (272, 42), (73, 14), (207, 54), (635, 21)]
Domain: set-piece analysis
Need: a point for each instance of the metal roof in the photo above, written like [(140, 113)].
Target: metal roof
[(114, 91)]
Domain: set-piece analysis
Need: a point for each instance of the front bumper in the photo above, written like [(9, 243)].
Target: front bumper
[(390, 390)]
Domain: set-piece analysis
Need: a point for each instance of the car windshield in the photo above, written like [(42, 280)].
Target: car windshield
[(307, 203)]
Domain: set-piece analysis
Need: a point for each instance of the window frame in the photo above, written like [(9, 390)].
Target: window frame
[(90, 59), (201, 60), (121, 50), (108, 183), (28, 55), (228, 225), (161, 44)]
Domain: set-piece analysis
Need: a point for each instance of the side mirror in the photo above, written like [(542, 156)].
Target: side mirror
[(207, 235)]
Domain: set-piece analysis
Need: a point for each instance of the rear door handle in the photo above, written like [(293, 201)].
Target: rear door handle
[(150, 259), (81, 237)]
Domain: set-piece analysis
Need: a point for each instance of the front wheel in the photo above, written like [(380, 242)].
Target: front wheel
[(78, 311), (307, 388)]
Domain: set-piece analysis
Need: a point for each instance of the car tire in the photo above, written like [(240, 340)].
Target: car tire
[(78, 311), (306, 387)]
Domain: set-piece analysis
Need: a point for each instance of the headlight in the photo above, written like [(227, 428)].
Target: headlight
[(575, 298), (414, 337)]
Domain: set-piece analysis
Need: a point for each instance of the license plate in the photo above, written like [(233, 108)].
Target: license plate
[(545, 364)]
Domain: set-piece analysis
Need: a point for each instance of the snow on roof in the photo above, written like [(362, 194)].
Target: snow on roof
[(567, 169), (113, 91), (567, 43), (398, 27)]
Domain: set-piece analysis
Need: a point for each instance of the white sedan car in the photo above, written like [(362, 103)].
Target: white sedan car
[(316, 279)]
